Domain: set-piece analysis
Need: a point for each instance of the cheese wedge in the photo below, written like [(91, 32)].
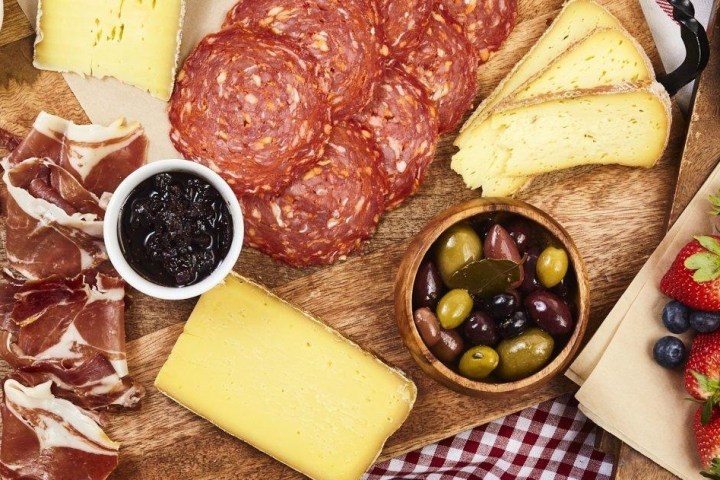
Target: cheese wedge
[(137, 42), (284, 382), (584, 48), (575, 21), (606, 56), (625, 125)]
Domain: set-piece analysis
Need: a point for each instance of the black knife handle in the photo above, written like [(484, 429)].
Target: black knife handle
[(697, 48)]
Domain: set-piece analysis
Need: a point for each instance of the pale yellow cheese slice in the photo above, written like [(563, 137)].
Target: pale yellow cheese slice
[(584, 48), (284, 382), (624, 125), (575, 21), (135, 41), (606, 56)]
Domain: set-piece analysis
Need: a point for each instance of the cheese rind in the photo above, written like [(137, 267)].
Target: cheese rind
[(284, 382), (137, 42)]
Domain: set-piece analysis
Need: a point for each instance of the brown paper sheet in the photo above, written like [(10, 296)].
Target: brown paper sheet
[(623, 390), (105, 100)]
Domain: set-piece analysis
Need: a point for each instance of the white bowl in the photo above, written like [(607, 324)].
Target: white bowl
[(112, 222)]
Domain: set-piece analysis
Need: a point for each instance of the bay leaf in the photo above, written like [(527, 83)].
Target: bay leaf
[(486, 277)]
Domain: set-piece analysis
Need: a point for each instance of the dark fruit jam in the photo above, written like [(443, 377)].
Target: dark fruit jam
[(175, 228)]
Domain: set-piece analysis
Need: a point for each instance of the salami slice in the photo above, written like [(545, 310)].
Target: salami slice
[(248, 105), (339, 34), (328, 212), (404, 124), (446, 63), (486, 23), (403, 23)]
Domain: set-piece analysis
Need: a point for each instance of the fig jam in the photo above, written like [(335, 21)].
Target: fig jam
[(175, 229)]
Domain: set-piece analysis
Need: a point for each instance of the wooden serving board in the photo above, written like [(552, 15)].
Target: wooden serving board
[(616, 216)]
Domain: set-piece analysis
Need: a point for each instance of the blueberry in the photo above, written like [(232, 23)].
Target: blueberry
[(705, 322), (669, 352), (675, 317)]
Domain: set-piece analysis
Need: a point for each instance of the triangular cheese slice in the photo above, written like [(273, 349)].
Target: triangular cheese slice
[(626, 124), (575, 21)]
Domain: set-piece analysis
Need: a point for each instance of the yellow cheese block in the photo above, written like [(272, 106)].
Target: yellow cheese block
[(137, 41), (625, 125), (284, 382)]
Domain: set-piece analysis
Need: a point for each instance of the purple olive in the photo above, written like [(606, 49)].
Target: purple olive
[(549, 312), (449, 347), (427, 325), (480, 329), (522, 233), (530, 281), (499, 245), (565, 288), (428, 287)]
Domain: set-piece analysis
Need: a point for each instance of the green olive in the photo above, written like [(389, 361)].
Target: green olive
[(478, 362), (525, 354), (552, 265), (457, 246), (454, 307)]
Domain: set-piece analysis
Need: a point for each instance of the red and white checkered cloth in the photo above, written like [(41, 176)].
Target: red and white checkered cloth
[(552, 441)]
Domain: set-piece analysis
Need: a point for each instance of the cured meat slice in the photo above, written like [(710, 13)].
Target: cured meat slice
[(99, 157), (403, 23), (8, 140), (45, 437), (70, 331), (446, 63), (248, 105), (486, 23), (339, 34), (403, 123), (54, 225), (328, 212)]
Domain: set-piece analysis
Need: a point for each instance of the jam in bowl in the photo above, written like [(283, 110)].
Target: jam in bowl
[(173, 229)]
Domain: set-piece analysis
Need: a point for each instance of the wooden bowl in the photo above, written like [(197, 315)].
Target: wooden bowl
[(405, 280)]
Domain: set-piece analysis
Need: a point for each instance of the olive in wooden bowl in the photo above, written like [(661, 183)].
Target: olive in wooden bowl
[(492, 298)]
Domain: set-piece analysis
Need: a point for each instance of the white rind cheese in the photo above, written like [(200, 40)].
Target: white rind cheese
[(137, 42), (285, 382)]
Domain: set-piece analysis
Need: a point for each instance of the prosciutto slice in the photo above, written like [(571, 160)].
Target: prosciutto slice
[(70, 331), (49, 438), (54, 225), (98, 157)]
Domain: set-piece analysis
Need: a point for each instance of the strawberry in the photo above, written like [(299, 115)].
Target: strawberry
[(707, 439), (702, 370), (694, 276)]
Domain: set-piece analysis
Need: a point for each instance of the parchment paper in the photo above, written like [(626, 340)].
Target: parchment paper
[(695, 220), (623, 390), (105, 100)]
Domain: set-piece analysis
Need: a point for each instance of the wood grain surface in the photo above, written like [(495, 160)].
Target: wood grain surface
[(616, 216), (15, 24), (701, 154)]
